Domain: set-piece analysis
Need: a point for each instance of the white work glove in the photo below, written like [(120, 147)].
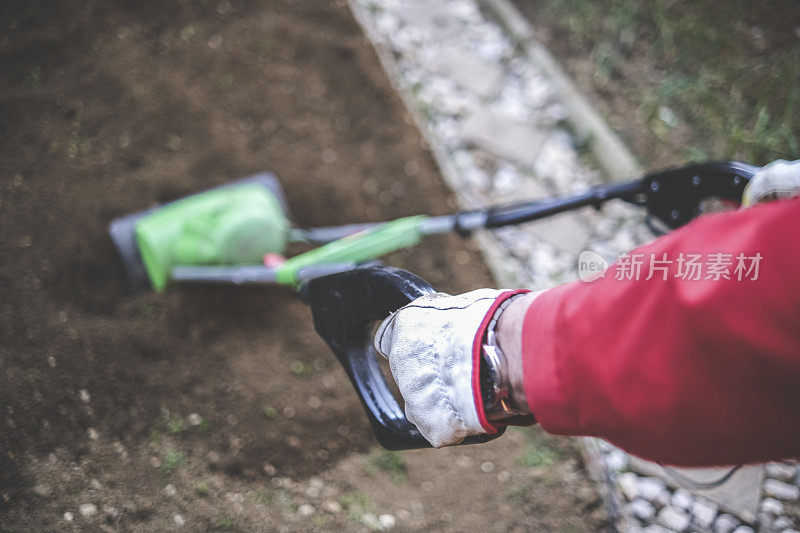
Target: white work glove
[(429, 344), (780, 179)]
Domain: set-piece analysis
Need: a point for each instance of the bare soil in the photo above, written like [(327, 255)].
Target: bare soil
[(110, 107)]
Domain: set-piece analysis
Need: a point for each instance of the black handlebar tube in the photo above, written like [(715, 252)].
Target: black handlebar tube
[(498, 217), (673, 196)]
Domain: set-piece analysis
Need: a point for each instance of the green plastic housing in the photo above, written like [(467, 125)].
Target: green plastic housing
[(362, 246), (226, 226)]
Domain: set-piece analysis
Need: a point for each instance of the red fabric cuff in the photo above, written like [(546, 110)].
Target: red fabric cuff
[(542, 368), (476, 358)]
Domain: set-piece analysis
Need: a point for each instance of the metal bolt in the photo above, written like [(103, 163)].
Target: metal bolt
[(696, 181), (654, 186), (737, 181), (675, 214)]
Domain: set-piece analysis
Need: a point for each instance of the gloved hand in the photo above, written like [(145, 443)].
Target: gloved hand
[(433, 347), (779, 179)]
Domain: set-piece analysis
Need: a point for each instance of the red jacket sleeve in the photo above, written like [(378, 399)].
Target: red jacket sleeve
[(679, 370)]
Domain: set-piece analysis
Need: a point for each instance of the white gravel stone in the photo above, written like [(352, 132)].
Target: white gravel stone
[(631, 525), (783, 523), (170, 490), (617, 460), (386, 22), (332, 507), (506, 179), (743, 529), (235, 497), (305, 510), (674, 518), (772, 506), (313, 492), (682, 498), (194, 419), (704, 512), (83, 394), (371, 521), (179, 520), (781, 490), (88, 509), (650, 487), (725, 523), (780, 471), (642, 509), (463, 461), (628, 485), (764, 521), (662, 498), (387, 521), (68, 516), (42, 490), (92, 434)]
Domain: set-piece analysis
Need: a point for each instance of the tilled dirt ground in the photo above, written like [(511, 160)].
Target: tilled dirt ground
[(109, 107)]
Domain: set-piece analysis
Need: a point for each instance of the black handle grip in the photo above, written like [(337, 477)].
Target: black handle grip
[(674, 196), (345, 306)]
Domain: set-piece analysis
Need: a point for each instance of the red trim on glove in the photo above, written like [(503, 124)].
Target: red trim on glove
[(476, 358)]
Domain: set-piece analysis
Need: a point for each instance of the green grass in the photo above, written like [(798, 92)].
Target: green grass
[(299, 368), (390, 462), (190, 31), (269, 412), (225, 524), (727, 71), (519, 495), (357, 505), (542, 449), (355, 501), (263, 497), (173, 460), (204, 426), (284, 500), (175, 426), (201, 489), (538, 455)]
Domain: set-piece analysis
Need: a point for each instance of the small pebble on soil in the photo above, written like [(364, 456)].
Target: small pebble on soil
[(88, 509), (305, 510)]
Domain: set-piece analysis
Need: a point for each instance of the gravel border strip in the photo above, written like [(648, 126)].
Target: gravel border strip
[(616, 160), (494, 252)]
